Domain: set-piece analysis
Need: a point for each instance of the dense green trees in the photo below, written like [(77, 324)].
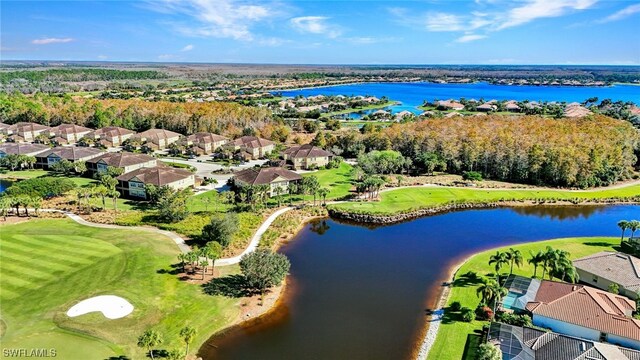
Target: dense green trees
[(221, 229), (41, 187), (263, 269), (17, 162)]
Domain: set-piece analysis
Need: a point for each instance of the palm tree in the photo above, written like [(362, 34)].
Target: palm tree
[(182, 257), (188, 334), (515, 257), (149, 339), (634, 225), (203, 265), (490, 291), (498, 260), (279, 191), (623, 225), (323, 192), (535, 260), (550, 256)]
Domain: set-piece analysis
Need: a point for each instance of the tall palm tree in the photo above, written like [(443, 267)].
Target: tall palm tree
[(323, 192), (515, 257), (550, 256), (535, 260), (623, 225), (634, 225), (187, 333), (486, 290), (150, 339), (498, 260)]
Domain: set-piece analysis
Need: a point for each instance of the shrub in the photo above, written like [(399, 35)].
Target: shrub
[(472, 176), (614, 288), (263, 269), (456, 306), (488, 351), (484, 312), (467, 314), (516, 320), (221, 229)]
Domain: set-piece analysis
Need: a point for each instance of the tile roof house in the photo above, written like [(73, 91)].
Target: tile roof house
[(449, 105), (604, 268), (74, 154), (111, 136), (512, 106), (487, 107), (586, 312), (307, 156), (275, 177), (525, 343), (26, 131), (253, 146), (132, 184), (68, 133), (158, 139), (575, 110), (204, 142), (21, 149), (124, 160)]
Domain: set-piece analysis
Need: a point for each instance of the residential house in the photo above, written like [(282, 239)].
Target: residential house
[(487, 107), (158, 139), (21, 149), (123, 160), (252, 147), (275, 177), (111, 136), (449, 105), (204, 142), (403, 114), (525, 343), (68, 133), (307, 156), (576, 110), (132, 184), (512, 106), (605, 268), (26, 131), (47, 158)]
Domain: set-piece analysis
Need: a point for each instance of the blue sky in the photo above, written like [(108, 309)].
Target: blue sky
[(324, 32)]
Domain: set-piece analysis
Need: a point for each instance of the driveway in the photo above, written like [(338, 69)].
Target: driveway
[(205, 169)]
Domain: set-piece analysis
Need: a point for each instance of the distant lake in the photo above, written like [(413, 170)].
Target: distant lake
[(4, 184), (412, 95)]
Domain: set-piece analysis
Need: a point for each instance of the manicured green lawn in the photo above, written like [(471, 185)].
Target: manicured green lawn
[(411, 199), (452, 335), (24, 174), (338, 180), (48, 265)]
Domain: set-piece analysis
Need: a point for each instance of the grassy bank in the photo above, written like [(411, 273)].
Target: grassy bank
[(412, 199), (452, 334), (46, 266)]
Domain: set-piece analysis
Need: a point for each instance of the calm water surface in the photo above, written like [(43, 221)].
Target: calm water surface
[(360, 293), (412, 95), (4, 184)]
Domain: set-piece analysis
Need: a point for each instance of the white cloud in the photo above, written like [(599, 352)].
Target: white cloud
[(619, 15), (187, 48), (470, 37), (46, 41), (315, 25), (216, 18), (535, 9), (444, 22)]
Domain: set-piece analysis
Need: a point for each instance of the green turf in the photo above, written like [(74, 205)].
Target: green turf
[(48, 265), (411, 199), (337, 180), (452, 335)]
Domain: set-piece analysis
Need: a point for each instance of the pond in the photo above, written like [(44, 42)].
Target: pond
[(360, 292), (4, 184)]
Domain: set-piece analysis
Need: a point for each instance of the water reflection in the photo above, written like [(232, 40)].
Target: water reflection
[(560, 212)]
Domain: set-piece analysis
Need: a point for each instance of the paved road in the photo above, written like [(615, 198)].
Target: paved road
[(204, 169)]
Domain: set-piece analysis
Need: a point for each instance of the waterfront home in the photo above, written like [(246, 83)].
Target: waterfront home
[(26, 131), (111, 136), (123, 160), (275, 177), (252, 147), (449, 105), (307, 156), (512, 106), (605, 268), (586, 312), (21, 149), (64, 134), (203, 142), (525, 343), (403, 114), (157, 139), (487, 107), (576, 110), (132, 184), (47, 158)]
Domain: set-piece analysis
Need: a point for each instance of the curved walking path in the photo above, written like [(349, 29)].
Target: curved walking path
[(253, 245)]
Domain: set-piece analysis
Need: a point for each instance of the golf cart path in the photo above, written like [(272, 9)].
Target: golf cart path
[(253, 245)]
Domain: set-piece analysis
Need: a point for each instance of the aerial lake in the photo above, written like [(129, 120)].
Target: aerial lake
[(412, 95), (359, 292)]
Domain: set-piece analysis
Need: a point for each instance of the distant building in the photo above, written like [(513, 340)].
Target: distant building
[(403, 114), (21, 149), (132, 184), (487, 107), (47, 158), (275, 177), (204, 142), (158, 139), (576, 110), (26, 131), (252, 147), (307, 156), (124, 160), (449, 105), (524, 343), (512, 106), (605, 268), (68, 133), (111, 136)]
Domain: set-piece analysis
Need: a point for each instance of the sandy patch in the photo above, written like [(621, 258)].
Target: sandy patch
[(111, 306)]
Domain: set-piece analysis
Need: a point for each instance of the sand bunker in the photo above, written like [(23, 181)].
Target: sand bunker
[(111, 306)]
